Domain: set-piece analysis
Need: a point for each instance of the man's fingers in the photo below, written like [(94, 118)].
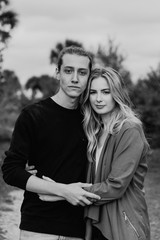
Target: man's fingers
[(92, 196), (86, 201), (83, 185)]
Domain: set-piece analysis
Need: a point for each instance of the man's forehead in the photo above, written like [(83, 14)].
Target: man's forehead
[(74, 60)]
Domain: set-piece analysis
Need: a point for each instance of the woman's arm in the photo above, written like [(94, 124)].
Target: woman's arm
[(44, 197), (48, 195), (74, 193)]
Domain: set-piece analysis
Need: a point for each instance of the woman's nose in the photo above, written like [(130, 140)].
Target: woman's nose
[(99, 99)]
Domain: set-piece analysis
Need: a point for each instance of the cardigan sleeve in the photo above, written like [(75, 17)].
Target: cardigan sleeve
[(16, 157), (126, 158)]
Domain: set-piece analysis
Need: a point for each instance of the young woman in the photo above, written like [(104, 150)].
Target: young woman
[(117, 153)]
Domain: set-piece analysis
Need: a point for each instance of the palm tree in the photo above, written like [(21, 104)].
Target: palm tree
[(109, 56), (45, 84), (59, 46), (8, 20)]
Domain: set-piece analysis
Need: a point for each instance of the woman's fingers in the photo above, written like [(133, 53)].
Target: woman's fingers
[(31, 169), (48, 179)]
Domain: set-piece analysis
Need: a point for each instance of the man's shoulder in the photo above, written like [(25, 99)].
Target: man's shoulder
[(36, 108)]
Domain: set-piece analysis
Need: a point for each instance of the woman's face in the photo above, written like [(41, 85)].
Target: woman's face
[(100, 96)]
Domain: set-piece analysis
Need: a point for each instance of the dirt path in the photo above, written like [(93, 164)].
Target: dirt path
[(10, 201), (10, 215)]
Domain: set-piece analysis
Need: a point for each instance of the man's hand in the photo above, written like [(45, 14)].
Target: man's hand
[(76, 195), (73, 193)]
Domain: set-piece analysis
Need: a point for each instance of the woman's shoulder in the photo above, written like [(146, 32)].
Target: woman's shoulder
[(133, 130), (130, 126)]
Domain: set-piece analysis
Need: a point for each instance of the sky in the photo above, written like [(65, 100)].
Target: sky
[(134, 25)]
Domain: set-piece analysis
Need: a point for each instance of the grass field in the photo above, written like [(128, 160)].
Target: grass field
[(152, 186)]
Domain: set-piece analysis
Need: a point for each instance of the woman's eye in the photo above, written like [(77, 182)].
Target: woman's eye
[(106, 92), (92, 92)]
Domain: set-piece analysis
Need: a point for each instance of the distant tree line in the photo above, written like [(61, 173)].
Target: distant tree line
[(8, 20), (144, 93)]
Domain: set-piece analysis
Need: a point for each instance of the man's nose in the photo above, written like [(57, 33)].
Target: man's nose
[(75, 77)]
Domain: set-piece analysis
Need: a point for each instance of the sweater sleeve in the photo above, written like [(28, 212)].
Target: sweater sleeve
[(17, 156), (126, 159)]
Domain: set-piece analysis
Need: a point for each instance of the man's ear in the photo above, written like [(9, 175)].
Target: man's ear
[(57, 74)]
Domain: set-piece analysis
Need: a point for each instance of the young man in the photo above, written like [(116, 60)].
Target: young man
[(49, 135)]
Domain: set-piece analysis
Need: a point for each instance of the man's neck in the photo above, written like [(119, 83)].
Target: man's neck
[(66, 102)]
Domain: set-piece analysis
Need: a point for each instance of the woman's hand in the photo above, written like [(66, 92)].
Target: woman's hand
[(31, 169)]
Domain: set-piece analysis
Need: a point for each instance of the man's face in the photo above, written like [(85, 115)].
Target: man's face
[(73, 74)]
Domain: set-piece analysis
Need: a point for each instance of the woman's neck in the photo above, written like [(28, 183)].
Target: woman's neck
[(105, 120)]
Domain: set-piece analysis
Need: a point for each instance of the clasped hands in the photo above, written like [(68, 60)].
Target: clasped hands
[(74, 193)]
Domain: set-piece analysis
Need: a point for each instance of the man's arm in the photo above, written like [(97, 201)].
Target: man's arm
[(14, 172), (73, 193), (17, 156)]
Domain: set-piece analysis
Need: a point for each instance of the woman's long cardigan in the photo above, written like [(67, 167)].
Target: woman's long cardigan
[(121, 214)]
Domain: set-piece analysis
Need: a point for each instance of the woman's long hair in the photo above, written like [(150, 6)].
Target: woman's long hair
[(121, 113)]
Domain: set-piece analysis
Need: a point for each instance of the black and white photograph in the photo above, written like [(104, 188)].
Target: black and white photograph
[(79, 120)]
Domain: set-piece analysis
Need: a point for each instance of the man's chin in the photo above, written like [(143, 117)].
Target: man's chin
[(75, 95)]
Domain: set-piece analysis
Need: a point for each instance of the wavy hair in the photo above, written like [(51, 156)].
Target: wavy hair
[(122, 112)]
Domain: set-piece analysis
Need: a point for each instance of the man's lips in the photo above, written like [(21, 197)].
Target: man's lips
[(75, 87)]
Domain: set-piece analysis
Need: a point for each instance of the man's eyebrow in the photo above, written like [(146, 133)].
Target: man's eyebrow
[(68, 67), (83, 68), (86, 69)]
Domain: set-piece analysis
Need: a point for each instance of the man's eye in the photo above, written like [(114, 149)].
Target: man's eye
[(83, 73), (68, 71)]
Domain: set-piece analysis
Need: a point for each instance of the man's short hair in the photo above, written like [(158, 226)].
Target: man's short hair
[(73, 50)]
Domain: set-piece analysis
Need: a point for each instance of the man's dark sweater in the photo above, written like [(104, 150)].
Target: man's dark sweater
[(51, 138)]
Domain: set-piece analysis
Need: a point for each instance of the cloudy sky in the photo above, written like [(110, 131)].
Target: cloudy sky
[(133, 24)]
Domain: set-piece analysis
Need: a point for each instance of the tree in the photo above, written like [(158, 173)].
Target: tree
[(9, 104), (44, 84), (10, 90), (109, 56), (146, 97), (10, 83), (105, 56), (8, 20), (59, 46)]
